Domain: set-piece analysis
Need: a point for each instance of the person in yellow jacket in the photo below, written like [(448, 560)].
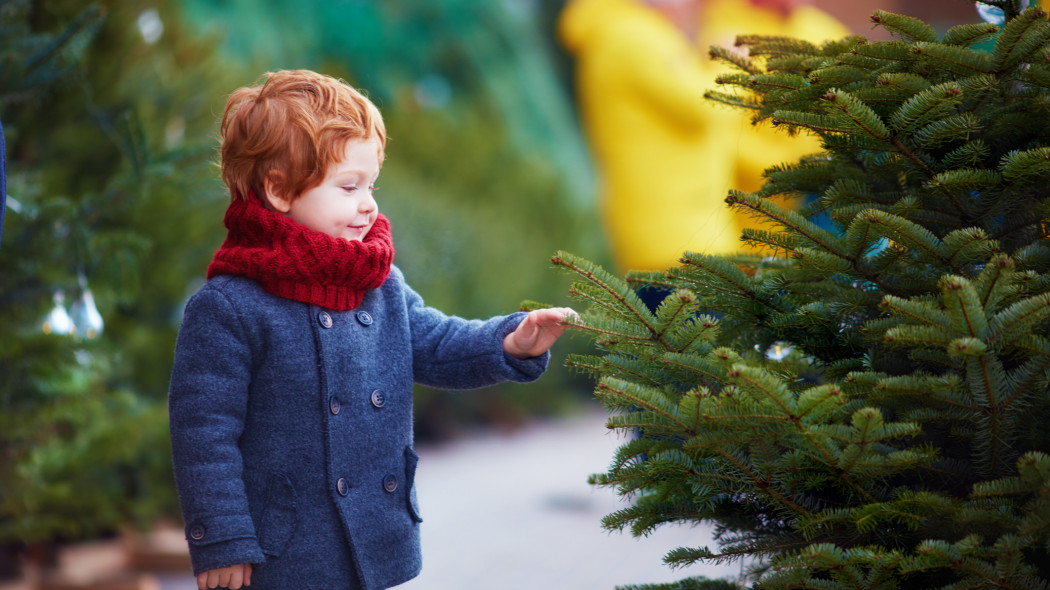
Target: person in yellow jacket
[(665, 156)]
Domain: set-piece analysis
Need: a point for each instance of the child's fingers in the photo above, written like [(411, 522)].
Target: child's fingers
[(236, 578), (555, 315)]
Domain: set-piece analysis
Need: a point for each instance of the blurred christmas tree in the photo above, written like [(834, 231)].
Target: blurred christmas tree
[(868, 410), (108, 159)]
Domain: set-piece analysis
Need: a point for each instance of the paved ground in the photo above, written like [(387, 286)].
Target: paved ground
[(514, 511)]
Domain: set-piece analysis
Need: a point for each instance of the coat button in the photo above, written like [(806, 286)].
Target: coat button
[(378, 398), (325, 319), (365, 318), (342, 486), (334, 406), (197, 532), (390, 483)]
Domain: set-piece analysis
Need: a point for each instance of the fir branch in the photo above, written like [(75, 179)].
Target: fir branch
[(969, 34), (675, 305), (702, 367), (967, 155), (731, 280), (820, 260), (763, 83), (612, 327), (698, 329), (641, 396), (643, 278), (966, 179), (905, 81), (629, 367), (985, 377), (896, 52), (771, 390), (911, 235), (869, 122), (614, 287), (1019, 38), (911, 335), (1024, 380), (904, 27), (764, 484), (822, 124), (776, 241), (961, 60), (923, 312), (789, 220), (838, 74), (636, 421), (735, 58), (733, 100), (994, 283), (796, 64), (772, 45), (862, 117), (1017, 320), (1021, 164), (964, 246), (926, 105), (1033, 344), (953, 128), (963, 306)]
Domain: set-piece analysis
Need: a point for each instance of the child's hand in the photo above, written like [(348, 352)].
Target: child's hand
[(232, 577), (537, 333)]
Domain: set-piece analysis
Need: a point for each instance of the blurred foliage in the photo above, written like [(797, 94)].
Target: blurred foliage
[(468, 51), (109, 118)]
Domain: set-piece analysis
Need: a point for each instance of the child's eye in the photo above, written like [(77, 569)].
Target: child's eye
[(373, 188), (350, 189)]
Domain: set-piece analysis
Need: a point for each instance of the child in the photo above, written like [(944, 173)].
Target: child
[(291, 392)]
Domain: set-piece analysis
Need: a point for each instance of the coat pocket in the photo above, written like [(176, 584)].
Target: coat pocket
[(279, 517), (411, 460)]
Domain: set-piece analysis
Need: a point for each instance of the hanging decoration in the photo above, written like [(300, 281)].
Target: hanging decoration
[(994, 14), (57, 320), (87, 321)]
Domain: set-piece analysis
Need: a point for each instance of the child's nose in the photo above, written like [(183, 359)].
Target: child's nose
[(367, 205)]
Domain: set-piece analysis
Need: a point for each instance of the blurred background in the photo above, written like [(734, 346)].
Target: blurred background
[(115, 206)]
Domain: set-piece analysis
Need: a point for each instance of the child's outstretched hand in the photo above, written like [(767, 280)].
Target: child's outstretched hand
[(537, 332)]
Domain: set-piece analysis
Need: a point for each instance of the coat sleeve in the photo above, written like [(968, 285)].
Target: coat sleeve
[(207, 404), (449, 352)]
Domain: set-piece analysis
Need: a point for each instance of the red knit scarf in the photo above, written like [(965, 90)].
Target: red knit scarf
[(295, 262)]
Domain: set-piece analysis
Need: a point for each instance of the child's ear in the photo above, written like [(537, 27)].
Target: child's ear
[(276, 193)]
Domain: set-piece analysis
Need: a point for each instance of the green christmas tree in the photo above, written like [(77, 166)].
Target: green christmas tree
[(108, 111), (869, 408)]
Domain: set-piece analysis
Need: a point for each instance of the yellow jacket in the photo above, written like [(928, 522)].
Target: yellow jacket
[(666, 157), (664, 176)]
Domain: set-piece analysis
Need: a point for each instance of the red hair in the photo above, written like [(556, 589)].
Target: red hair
[(289, 129)]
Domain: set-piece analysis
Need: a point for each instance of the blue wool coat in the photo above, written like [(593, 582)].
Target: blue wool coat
[(291, 428)]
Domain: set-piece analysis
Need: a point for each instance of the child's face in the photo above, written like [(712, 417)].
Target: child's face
[(342, 206)]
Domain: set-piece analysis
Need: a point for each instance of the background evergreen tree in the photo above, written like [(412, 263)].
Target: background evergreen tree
[(108, 113), (868, 409)]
